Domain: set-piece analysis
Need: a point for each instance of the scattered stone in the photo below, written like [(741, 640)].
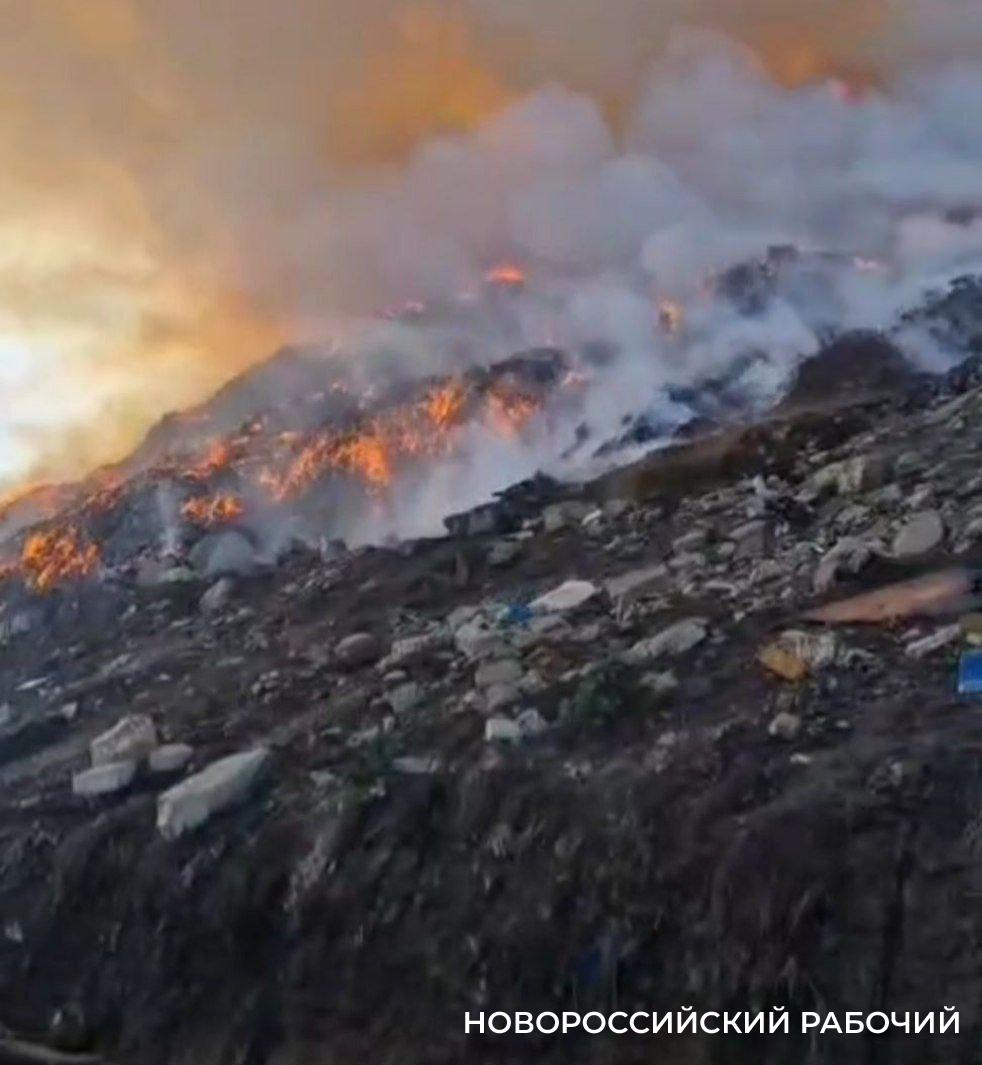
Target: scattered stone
[(849, 556), (921, 534), (158, 573), (531, 723), (415, 766), (413, 649), (500, 696), (405, 698), (481, 521), (217, 597), (863, 473), (502, 730), (636, 585), (504, 553), (104, 779), (559, 516), (477, 640), (785, 727), (752, 540), (567, 596), (224, 553), (133, 737), (691, 541), (170, 758), (935, 642), (358, 649), (677, 639), (222, 784), (660, 683), (498, 671)]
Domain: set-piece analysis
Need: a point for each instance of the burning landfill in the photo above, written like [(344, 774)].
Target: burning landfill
[(557, 578)]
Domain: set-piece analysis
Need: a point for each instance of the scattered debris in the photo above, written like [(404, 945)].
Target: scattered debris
[(940, 593), (104, 779), (133, 737), (222, 784), (567, 596)]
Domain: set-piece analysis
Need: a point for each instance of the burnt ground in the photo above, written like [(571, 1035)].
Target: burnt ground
[(647, 845)]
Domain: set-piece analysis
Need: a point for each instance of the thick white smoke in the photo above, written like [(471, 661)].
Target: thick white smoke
[(716, 164), (707, 161)]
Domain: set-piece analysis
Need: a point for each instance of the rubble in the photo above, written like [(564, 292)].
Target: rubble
[(922, 533), (677, 639), (358, 649), (600, 722), (104, 779), (133, 737), (170, 757), (567, 596), (927, 645), (217, 787), (785, 726)]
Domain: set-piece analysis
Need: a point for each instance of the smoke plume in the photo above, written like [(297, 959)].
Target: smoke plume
[(189, 185)]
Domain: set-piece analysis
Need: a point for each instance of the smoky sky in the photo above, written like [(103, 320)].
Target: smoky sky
[(187, 185)]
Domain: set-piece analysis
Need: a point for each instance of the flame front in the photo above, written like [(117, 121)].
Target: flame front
[(216, 510), (373, 452), (57, 555)]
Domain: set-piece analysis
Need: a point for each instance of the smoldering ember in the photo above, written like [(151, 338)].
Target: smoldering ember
[(491, 527)]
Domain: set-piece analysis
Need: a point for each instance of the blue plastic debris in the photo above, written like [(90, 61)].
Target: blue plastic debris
[(970, 673), (518, 614)]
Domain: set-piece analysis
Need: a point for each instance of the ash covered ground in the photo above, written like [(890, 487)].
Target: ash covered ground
[(588, 748)]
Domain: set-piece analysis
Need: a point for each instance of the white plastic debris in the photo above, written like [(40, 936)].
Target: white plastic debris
[(220, 785), (133, 737), (567, 596)]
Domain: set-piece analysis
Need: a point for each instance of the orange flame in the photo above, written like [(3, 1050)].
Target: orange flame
[(218, 456), (57, 555), (510, 411), (218, 510), (508, 275), (372, 452)]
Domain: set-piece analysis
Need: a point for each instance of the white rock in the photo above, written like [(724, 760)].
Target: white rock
[(785, 726), (217, 596), (476, 640), (133, 737), (220, 785), (924, 532), (504, 553), (558, 515), (358, 649), (637, 584), (405, 698), (660, 683), (498, 671), (170, 757), (413, 765), (104, 779), (675, 640), (531, 723), (415, 648), (499, 696), (567, 596), (929, 644), (502, 730)]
